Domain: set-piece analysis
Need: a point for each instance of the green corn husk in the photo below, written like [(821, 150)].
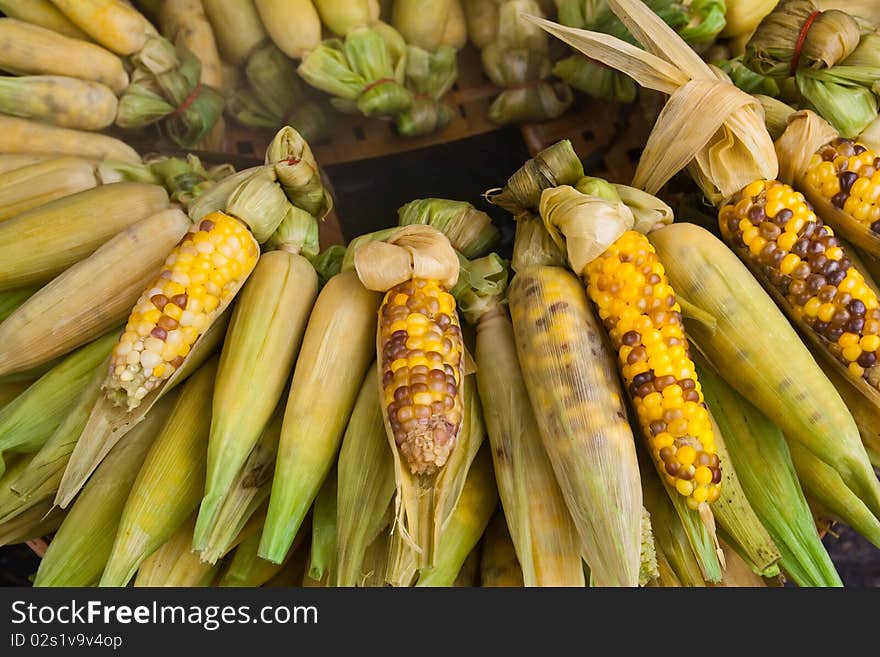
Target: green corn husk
[(248, 569), (722, 303), (772, 48), (166, 85), (466, 525), (186, 179), (518, 60), (293, 572), (260, 202), (337, 349), (214, 198), (469, 573), (324, 530), (79, 550), (470, 231), (328, 263), (40, 479), (499, 566), (40, 520), (556, 165), (545, 538), (425, 505), (842, 95), (311, 116), (10, 300), (366, 485), (746, 79), (298, 172), (107, 424), (27, 422), (595, 80), (248, 492), (170, 482), (17, 465), (429, 75), (864, 413), (672, 539), (262, 341), (11, 390), (759, 453), (826, 490), (175, 563), (363, 73)]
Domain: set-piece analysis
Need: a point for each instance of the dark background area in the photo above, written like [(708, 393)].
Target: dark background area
[(368, 194)]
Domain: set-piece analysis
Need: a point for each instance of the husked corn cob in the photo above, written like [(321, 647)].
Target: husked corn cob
[(237, 28), (28, 421), (197, 281), (777, 234), (466, 525), (170, 482), (738, 327), (421, 357), (79, 550), (578, 404), (63, 314), (335, 354), (37, 245), (59, 100), (175, 563), (647, 331), (365, 485), (11, 162), (264, 336), (499, 566)]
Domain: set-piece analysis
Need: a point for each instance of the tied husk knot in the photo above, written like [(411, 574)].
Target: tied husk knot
[(708, 125), (798, 35), (583, 224), (407, 252), (805, 134), (259, 202), (481, 287), (298, 172), (470, 231)]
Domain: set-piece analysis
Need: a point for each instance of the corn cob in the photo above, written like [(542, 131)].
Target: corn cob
[(499, 566), (12, 299), (772, 369), (478, 500), (248, 493), (247, 569), (579, 409), (197, 281), (40, 520), (335, 355), (274, 306), (29, 420), (170, 482), (32, 254), (62, 101), (237, 27), (115, 25), (365, 487), (107, 424), (20, 136), (44, 14), (43, 474), (324, 530), (184, 22), (342, 16), (175, 563), (35, 184), (11, 162), (543, 533), (294, 27), (827, 491), (759, 453), (80, 549), (62, 315)]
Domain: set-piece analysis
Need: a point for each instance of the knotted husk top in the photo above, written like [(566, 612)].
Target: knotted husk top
[(298, 172), (470, 231), (555, 165), (481, 287), (708, 125), (405, 253)]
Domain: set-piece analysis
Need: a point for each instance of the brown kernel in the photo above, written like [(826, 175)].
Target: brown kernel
[(180, 300), (159, 300)]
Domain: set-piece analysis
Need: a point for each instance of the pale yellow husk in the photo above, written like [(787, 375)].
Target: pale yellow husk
[(24, 136)]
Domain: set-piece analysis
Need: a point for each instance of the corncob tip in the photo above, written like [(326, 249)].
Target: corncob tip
[(421, 351), (202, 273)]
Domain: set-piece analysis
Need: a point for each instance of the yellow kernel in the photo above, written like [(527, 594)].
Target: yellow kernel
[(795, 224), (852, 339), (749, 234), (860, 187), (786, 241), (834, 253), (852, 353), (678, 427), (400, 299), (811, 308), (684, 487), (700, 493), (686, 455), (422, 399), (826, 312), (754, 188), (397, 364), (788, 264), (870, 342), (856, 370), (756, 245), (653, 399), (703, 475)]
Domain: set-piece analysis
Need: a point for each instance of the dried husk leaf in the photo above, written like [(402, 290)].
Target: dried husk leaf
[(415, 251), (40, 520), (776, 115), (556, 165), (708, 125), (108, 423), (175, 563), (214, 198), (870, 136), (532, 245), (470, 231), (780, 45)]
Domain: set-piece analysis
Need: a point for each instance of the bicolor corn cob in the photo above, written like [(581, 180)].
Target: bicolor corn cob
[(199, 276), (848, 175), (774, 229), (421, 358), (629, 287)]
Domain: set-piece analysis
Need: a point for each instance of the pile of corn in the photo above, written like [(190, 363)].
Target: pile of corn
[(195, 392)]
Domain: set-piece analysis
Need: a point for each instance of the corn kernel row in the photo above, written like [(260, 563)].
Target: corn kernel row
[(775, 229)]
